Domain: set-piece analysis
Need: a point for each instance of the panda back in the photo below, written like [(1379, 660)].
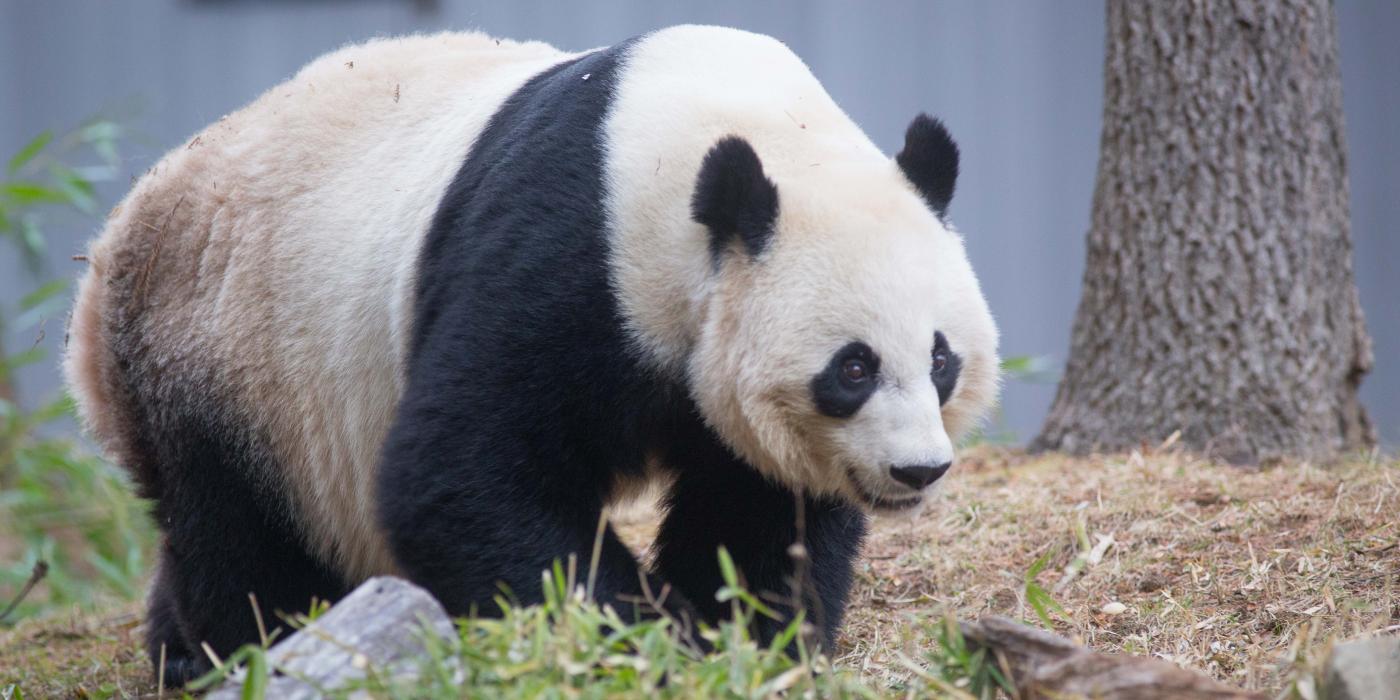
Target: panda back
[(262, 274)]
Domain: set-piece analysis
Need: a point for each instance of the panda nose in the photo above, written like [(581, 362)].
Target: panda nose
[(919, 476)]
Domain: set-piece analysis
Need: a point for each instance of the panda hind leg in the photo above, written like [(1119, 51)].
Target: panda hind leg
[(214, 571), (225, 545), (170, 655)]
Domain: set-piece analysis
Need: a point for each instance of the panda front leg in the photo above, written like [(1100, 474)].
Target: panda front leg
[(469, 524), (719, 501)]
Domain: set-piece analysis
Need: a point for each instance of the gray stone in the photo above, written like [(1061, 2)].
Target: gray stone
[(1365, 669), (381, 625)]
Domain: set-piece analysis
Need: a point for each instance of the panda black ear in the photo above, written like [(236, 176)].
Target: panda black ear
[(930, 161), (734, 198)]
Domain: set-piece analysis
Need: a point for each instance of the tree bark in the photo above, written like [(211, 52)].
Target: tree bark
[(1218, 297)]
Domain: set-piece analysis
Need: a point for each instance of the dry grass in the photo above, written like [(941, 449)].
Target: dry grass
[(1243, 574)]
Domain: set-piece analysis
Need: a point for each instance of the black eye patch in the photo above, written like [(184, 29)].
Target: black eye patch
[(847, 381), (945, 377)]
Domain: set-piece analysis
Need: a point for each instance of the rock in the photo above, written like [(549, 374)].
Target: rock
[(1364, 669), (380, 625)]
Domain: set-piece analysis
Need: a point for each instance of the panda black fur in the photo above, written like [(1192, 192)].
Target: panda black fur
[(469, 366)]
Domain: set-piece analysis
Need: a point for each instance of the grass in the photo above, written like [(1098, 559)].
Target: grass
[(70, 510), (570, 648), (76, 654), (59, 505), (1245, 575)]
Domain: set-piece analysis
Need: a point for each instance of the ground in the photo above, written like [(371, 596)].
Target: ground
[(1243, 574)]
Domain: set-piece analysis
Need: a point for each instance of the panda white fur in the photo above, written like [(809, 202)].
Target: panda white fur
[(430, 305)]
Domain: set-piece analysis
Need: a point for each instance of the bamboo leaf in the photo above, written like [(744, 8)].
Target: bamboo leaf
[(30, 150), (47, 291), (49, 412), (79, 191), (32, 241), (23, 193)]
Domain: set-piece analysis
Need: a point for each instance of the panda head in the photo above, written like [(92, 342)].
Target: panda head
[(845, 344)]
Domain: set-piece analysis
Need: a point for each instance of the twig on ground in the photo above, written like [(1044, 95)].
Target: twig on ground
[(41, 569)]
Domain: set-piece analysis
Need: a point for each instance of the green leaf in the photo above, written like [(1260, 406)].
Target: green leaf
[(47, 291), (30, 150), (79, 191), (1037, 567), (20, 359), (1039, 600), (112, 574), (726, 568), (1035, 597), (255, 683), (102, 136), (59, 408), (781, 641), (1019, 363), (25, 193), (1034, 369), (99, 131), (32, 238)]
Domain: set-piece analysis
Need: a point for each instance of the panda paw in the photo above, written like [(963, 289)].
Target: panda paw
[(180, 670)]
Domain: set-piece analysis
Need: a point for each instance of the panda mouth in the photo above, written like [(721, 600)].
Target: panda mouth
[(889, 505)]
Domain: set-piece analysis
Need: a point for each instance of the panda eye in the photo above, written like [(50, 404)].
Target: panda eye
[(946, 367), (940, 360), (855, 370), (848, 380)]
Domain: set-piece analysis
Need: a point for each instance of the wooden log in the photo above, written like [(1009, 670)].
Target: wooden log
[(381, 626), (1044, 665)]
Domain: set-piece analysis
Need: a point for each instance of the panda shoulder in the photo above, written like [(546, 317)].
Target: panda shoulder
[(709, 47), (446, 55)]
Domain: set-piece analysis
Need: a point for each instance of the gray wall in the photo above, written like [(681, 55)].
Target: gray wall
[(1018, 83)]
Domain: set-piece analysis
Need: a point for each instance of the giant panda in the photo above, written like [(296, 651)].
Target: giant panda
[(432, 304)]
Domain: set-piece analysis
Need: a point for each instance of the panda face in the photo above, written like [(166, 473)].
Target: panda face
[(851, 379), (848, 354)]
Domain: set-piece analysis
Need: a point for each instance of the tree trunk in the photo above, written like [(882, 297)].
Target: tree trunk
[(1218, 295)]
